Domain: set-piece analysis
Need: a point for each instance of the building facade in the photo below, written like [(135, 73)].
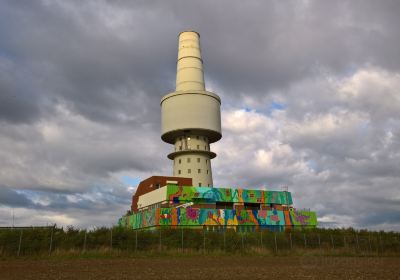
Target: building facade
[(191, 121), (175, 205)]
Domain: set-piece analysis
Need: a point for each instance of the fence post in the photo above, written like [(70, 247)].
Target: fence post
[(20, 241), (333, 244), (182, 239), (344, 241), (319, 241), (291, 243), (242, 241), (111, 239), (276, 245), (51, 240), (369, 242), (224, 240), (160, 240), (84, 241), (358, 244), (136, 245), (204, 240)]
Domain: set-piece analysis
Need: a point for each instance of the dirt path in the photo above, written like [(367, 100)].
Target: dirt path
[(236, 267)]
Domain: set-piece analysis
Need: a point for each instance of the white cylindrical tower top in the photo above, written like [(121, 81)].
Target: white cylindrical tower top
[(191, 116), (189, 74), (190, 110)]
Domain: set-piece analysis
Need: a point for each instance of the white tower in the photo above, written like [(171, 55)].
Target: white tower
[(190, 116)]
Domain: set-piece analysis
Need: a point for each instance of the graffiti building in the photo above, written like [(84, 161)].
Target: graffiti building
[(191, 121)]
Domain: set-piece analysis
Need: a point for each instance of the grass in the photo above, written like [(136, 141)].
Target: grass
[(71, 243)]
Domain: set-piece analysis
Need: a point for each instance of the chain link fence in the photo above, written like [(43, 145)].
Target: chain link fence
[(47, 240)]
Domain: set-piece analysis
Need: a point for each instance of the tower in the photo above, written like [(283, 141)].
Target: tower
[(190, 116)]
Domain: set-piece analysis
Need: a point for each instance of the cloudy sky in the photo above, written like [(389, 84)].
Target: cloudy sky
[(310, 99)]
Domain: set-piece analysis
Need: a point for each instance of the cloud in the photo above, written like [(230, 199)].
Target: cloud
[(11, 197), (343, 161), (309, 99), (16, 104)]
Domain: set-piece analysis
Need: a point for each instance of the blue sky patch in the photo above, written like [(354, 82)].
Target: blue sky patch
[(276, 106), (129, 181)]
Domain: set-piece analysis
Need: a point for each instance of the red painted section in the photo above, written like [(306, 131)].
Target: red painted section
[(288, 222), (151, 183)]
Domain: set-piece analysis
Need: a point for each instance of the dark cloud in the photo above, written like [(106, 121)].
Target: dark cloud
[(11, 197), (80, 86), (101, 58), (17, 99)]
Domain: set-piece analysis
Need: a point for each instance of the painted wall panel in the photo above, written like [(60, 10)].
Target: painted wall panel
[(206, 194), (217, 217), (303, 218)]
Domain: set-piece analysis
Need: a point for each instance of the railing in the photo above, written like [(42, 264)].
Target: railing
[(27, 241)]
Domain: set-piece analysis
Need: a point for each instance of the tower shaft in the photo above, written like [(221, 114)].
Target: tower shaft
[(189, 66), (191, 118)]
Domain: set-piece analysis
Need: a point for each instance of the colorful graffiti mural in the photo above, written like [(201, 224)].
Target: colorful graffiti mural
[(193, 217), (205, 194), (301, 218)]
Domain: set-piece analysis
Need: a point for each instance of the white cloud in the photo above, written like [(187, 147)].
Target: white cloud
[(330, 159)]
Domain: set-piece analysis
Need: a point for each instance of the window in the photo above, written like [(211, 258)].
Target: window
[(180, 161), (188, 138), (197, 137), (198, 147), (188, 160), (207, 171), (179, 171), (199, 184), (223, 205), (189, 171), (199, 171), (252, 206), (206, 160), (180, 148), (198, 159), (205, 148)]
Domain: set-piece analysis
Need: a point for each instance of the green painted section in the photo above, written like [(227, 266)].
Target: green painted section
[(299, 218), (217, 217), (277, 197), (207, 194)]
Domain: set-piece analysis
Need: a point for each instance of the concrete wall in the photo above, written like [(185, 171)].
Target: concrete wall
[(194, 165), (191, 111), (153, 197)]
